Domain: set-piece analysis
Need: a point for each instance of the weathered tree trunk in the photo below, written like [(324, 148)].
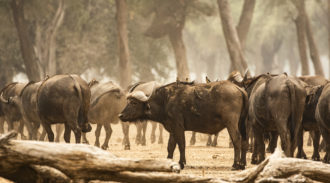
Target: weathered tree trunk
[(329, 35), (29, 57), (238, 62), (124, 55), (313, 51), (245, 20), (300, 5), (301, 38), (45, 47), (179, 49)]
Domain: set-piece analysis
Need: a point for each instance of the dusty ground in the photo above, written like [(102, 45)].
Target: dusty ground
[(201, 160)]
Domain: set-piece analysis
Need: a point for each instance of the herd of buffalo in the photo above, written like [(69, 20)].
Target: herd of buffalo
[(252, 108)]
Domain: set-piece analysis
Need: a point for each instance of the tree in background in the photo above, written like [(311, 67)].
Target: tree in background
[(124, 56), (169, 21), (303, 21), (28, 54), (238, 61)]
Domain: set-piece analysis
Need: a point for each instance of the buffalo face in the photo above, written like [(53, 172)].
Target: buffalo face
[(135, 110)]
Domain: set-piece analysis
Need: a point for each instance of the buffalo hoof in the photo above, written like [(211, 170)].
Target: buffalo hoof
[(143, 143), (255, 161), (23, 137), (237, 166), (127, 147), (214, 144), (192, 142), (326, 158), (104, 147), (301, 155), (316, 158), (160, 141), (153, 139), (85, 142), (182, 164), (97, 144), (208, 144)]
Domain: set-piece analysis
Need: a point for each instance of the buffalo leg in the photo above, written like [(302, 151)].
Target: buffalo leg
[(144, 130), (21, 130), (160, 138), (285, 139), (125, 127), (77, 134), (43, 134), (97, 135), (67, 133), (153, 132), (272, 142), (138, 133), (326, 138), (209, 140), (2, 123), (59, 130), (316, 142), (84, 138), (49, 132), (108, 132), (180, 139), (300, 143), (215, 140), (171, 146), (310, 138), (235, 136), (193, 138), (258, 154)]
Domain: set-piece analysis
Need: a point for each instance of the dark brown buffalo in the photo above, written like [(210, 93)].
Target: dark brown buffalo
[(206, 108), (141, 126), (107, 101), (11, 112), (64, 99), (309, 122), (27, 103), (322, 115), (276, 103)]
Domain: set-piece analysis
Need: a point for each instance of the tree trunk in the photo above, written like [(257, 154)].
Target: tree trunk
[(313, 51), (179, 49), (45, 47), (238, 62), (245, 20), (29, 57), (301, 38), (329, 36), (124, 56), (300, 5)]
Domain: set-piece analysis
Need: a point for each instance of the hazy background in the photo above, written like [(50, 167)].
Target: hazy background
[(81, 36)]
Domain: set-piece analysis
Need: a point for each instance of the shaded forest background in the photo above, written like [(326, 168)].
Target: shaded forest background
[(143, 40)]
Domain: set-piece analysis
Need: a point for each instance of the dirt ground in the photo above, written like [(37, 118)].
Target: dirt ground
[(201, 160)]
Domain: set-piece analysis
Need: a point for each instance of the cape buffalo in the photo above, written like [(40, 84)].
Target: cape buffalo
[(27, 104), (308, 121), (10, 111), (64, 99), (185, 106), (276, 103), (107, 101), (141, 126), (322, 115)]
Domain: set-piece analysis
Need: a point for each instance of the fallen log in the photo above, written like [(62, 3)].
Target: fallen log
[(31, 161), (74, 160)]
